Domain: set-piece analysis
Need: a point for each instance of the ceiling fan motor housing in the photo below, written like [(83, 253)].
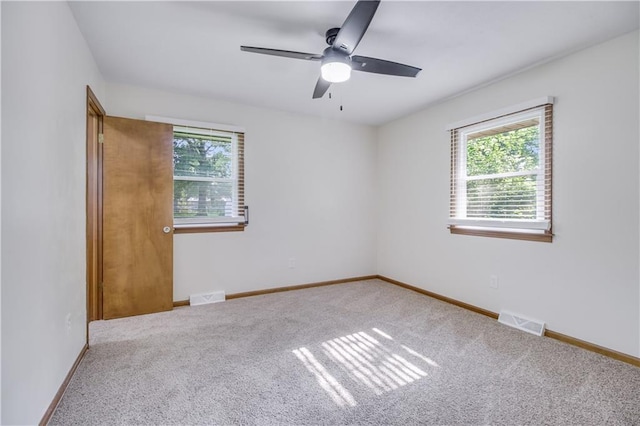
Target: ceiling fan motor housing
[(330, 35), (332, 55)]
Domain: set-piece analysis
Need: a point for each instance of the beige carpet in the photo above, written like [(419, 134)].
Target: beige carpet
[(358, 353)]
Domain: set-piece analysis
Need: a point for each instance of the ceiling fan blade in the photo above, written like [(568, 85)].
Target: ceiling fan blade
[(321, 88), (355, 26), (283, 53), (380, 66)]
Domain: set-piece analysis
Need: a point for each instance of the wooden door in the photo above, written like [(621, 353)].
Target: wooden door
[(137, 227), (95, 119)]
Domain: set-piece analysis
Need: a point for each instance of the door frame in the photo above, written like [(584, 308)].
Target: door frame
[(95, 118)]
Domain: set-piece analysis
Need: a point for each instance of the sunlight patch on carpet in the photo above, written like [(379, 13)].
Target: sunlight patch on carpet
[(336, 391), (422, 357), (382, 333), (367, 362)]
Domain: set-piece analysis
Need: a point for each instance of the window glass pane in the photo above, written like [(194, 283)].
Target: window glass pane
[(202, 199), (203, 156), (509, 151), (502, 198)]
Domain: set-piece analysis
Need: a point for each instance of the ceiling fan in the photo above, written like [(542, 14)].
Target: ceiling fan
[(337, 60)]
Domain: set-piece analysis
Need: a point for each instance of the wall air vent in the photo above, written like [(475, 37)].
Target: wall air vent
[(521, 323), (204, 298)]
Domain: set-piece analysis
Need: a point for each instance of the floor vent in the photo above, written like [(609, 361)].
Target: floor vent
[(521, 323), (204, 298)]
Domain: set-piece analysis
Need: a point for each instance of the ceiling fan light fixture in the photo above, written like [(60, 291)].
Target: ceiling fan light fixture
[(335, 72)]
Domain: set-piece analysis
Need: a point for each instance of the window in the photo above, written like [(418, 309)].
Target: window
[(501, 174), (208, 176)]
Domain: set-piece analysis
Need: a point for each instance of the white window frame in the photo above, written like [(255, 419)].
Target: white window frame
[(534, 109)]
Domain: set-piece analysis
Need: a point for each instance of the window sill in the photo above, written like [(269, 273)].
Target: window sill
[(197, 229), (543, 237)]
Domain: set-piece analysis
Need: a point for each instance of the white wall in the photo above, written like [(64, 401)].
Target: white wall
[(0, 222), (46, 66), (584, 284), (310, 187)]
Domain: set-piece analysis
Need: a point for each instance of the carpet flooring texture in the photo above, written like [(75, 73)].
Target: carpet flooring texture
[(366, 353)]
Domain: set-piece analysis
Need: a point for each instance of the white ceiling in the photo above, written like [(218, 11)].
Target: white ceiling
[(194, 48)]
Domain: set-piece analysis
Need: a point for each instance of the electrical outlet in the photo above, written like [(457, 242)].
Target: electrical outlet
[(493, 281), (292, 263)]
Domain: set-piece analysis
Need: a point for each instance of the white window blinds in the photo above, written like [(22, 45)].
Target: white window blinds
[(208, 176), (501, 172)]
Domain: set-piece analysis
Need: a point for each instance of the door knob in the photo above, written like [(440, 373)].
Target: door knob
[(166, 229)]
